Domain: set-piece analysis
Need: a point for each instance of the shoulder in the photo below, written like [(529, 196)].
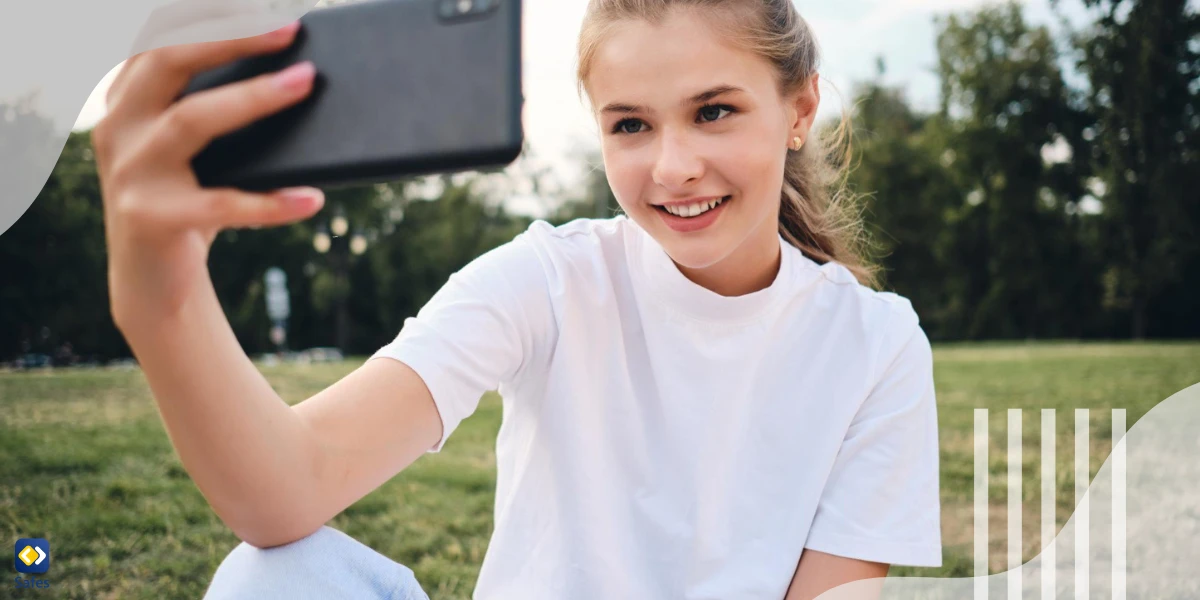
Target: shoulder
[(545, 245), (885, 321), (579, 232), (879, 310), (549, 261), (579, 244)]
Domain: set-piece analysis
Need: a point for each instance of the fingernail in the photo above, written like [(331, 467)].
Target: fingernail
[(303, 198), (287, 30), (295, 77)]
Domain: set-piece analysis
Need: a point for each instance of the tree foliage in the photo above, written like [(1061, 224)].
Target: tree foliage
[(1022, 207)]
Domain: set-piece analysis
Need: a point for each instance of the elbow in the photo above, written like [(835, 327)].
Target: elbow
[(270, 527), (285, 511), (275, 520)]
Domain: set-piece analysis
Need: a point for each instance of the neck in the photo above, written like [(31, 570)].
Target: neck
[(753, 266)]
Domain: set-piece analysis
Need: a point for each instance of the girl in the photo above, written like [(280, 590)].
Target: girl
[(703, 397)]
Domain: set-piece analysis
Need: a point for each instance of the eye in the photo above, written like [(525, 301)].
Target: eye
[(621, 126), (713, 112)]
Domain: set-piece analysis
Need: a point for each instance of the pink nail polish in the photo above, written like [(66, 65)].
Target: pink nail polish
[(303, 198), (296, 76)]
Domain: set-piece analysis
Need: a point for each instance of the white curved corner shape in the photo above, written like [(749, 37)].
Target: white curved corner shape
[(55, 51)]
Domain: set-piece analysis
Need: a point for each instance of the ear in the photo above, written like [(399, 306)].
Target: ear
[(804, 103)]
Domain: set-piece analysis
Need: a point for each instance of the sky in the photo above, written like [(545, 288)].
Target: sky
[(852, 35)]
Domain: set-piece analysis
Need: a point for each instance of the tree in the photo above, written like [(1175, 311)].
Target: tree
[(53, 263), (1004, 103), (1142, 58), (415, 244), (908, 192), (53, 283)]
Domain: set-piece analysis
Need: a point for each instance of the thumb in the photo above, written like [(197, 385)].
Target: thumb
[(232, 207)]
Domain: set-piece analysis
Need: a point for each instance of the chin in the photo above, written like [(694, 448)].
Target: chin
[(697, 254), (691, 251)]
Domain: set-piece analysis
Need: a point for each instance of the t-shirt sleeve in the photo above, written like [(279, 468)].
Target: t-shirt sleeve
[(490, 321), (880, 502)]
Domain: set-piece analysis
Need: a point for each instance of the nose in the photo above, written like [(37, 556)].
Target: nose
[(678, 164)]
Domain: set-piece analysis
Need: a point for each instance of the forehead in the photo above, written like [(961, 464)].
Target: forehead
[(658, 65)]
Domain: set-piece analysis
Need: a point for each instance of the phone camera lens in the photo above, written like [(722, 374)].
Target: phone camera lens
[(450, 9)]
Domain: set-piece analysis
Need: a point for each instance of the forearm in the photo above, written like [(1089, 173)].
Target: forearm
[(818, 572), (245, 448)]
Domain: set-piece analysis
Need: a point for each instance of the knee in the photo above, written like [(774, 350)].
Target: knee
[(325, 564), (307, 548), (252, 572)]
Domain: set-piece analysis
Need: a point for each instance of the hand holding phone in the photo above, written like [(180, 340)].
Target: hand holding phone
[(404, 87), (159, 222)]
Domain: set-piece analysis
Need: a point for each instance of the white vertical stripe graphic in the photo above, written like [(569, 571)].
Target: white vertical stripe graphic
[(1118, 504), (981, 504), (1049, 504), (1082, 505), (1014, 504)]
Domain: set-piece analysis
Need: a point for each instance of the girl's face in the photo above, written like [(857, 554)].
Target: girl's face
[(685, 116)]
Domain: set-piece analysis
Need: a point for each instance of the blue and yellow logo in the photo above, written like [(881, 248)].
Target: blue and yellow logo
[(31, 555)]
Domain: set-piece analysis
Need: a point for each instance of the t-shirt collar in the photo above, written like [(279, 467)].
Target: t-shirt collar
[(682, 295)]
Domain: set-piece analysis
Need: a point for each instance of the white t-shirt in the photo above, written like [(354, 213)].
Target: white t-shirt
[(660, 440)]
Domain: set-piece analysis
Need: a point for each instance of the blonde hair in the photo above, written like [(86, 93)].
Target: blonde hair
[(817, 212)]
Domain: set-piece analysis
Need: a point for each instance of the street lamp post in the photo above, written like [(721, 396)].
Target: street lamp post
[(342, 252), (278, 306)]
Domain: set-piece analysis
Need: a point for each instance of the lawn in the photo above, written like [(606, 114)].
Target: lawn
[(88, 465)]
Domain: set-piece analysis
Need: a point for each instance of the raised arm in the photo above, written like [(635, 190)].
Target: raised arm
[(273, 473)]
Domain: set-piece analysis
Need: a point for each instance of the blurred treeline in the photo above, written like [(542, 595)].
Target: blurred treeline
[(1054, 191), (1053, 194)]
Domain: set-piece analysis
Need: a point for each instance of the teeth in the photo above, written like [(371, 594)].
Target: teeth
[(692, 210)]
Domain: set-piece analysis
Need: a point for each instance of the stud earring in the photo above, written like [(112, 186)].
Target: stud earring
[(797, 143)]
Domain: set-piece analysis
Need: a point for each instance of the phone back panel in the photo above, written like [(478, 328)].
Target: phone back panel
[(400, 91)]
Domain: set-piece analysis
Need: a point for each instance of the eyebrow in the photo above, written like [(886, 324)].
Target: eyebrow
[(700, 98)]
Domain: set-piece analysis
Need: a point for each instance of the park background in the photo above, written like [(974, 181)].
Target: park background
[(1041, 214)]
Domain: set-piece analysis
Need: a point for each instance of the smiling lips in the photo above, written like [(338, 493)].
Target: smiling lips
[(692, 209), (692, 215)]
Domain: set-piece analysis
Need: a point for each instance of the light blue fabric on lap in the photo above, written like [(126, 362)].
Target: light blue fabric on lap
[(326, 564)]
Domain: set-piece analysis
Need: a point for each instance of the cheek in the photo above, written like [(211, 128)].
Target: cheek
[(755, 166), (626, 175)]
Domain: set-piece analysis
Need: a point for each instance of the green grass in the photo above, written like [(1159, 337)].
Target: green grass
[(87, 464)]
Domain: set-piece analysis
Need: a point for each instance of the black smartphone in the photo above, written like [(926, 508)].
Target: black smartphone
[(403, 88)]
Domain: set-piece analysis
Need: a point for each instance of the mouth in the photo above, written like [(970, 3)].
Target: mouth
[(693, 210), (694, 217)]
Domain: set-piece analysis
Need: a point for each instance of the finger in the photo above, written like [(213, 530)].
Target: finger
[(232, 208), (213, 209), (117, 83), (152, 80), (229, 208), (190, 124)]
